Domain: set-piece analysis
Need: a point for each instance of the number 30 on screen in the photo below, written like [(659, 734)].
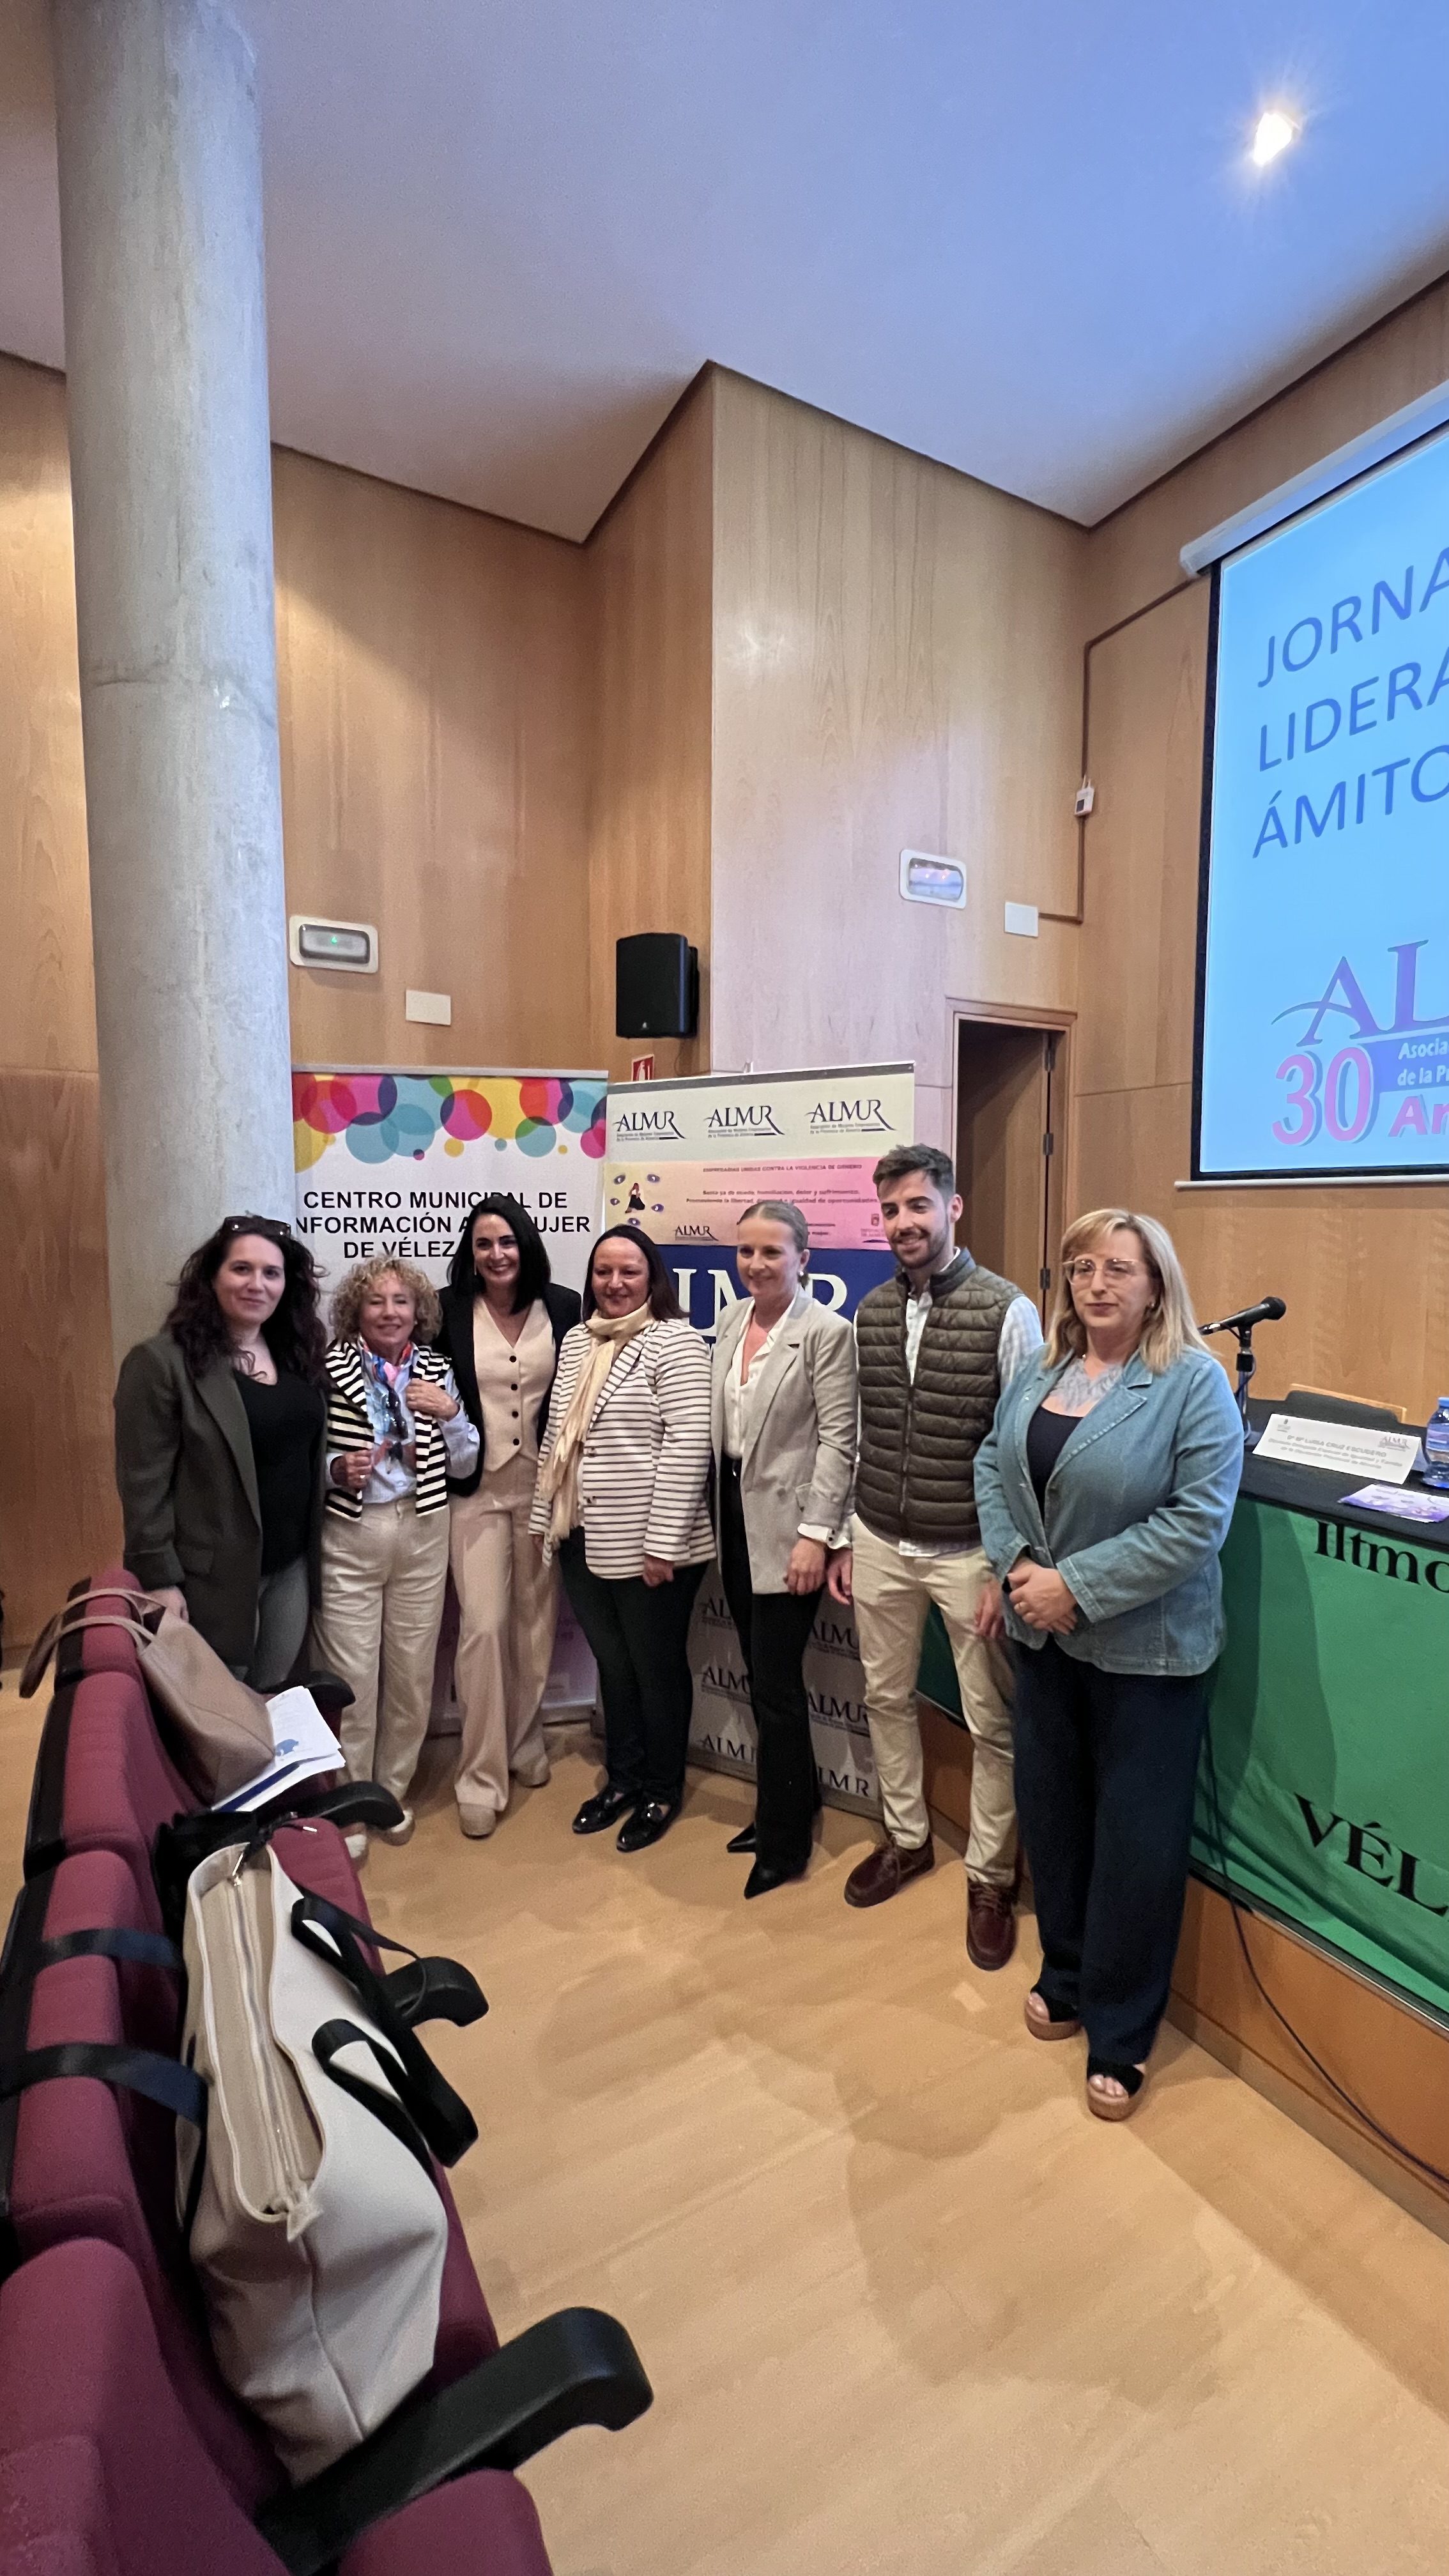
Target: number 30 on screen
[(1341, 1099)]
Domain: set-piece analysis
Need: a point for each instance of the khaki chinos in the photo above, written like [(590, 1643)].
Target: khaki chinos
[(892, 1596), (383, 1579)]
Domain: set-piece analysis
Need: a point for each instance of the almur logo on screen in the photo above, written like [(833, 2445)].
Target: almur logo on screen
[(1366, 1020)]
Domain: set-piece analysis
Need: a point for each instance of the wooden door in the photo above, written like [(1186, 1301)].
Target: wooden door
[(1006, 1159)]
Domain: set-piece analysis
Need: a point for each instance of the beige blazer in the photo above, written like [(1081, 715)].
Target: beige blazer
[(798, 1462)]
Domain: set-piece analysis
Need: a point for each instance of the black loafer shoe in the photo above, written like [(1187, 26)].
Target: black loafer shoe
[(646, 1825), (762, 1878), (597, 1813), (747, 1841)]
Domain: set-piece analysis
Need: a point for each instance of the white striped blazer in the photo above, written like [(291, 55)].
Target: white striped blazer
[(645, 1462), (349, 1426)]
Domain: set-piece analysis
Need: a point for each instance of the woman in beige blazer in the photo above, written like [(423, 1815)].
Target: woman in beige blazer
[(784, 1431)]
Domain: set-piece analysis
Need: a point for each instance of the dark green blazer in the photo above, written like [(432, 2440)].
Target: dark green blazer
[(188, 1489)]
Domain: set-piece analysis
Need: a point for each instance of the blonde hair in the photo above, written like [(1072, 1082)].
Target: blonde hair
[(1168, 1328), (347, 1304)]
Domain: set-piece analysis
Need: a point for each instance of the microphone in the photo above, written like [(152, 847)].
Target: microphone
[(1268, 1310)]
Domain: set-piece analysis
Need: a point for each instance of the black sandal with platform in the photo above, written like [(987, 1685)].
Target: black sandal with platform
[(1114, 2106)]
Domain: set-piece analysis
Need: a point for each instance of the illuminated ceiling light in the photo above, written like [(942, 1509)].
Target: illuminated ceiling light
[(1271, 135)]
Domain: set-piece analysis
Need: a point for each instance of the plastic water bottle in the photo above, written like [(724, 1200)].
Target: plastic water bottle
[(1436, 1446)]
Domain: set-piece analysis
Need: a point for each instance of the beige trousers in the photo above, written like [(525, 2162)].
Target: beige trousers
[(383, 1580), (508, 1609), (892, 1594)]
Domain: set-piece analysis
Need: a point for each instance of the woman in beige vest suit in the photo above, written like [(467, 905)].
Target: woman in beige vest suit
[(503, 1322), (784, 1428)]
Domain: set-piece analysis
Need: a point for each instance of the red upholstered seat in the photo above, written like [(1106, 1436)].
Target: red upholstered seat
[(87, 2164), (101, 2473)]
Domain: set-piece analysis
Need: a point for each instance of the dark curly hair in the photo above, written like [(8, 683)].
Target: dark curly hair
[(293, 1332), (534, 1272)]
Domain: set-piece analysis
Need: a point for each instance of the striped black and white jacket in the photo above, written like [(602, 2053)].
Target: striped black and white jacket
[(645, 1462), (350, 1426)]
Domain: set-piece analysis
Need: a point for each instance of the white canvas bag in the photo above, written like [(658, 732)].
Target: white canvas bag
[(316, 2229)]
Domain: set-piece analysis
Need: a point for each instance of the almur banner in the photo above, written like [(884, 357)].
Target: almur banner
[(684, 1158), (1324, 1787)]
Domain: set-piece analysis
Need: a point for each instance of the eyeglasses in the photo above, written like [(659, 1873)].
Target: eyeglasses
[(262, 1225), (1114, 1272)]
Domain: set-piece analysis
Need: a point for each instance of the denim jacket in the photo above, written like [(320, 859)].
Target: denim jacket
[(1137, 1508)]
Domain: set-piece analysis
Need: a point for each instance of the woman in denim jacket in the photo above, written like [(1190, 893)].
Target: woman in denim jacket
[(1105, 1488)]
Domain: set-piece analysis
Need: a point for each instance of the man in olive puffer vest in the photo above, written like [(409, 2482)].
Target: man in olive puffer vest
[(936, 1344)]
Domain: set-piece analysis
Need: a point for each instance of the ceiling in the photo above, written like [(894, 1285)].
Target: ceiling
[(1025, 238)]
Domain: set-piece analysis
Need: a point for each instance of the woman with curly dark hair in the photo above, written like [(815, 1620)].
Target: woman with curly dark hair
[(219, 1447)]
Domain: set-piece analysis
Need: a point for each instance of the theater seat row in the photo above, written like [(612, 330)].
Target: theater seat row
[(120, 2446)]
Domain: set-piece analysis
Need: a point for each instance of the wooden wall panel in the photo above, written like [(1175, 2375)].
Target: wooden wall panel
[(47, 996), (1365, 1271), (433, 725), (649, 567), (897, 654), (1134, 554), (58, 1512), (1388, 2058), (434, 739)]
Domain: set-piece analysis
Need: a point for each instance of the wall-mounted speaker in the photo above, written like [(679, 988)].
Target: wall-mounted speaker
[(656, 986)]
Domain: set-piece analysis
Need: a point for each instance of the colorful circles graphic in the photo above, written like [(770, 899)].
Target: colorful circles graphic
[(377, 1118)]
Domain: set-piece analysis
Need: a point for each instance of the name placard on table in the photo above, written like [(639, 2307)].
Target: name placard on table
[(1344, 1448)]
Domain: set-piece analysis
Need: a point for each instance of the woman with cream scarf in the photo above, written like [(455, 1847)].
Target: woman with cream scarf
[(621, 1501)]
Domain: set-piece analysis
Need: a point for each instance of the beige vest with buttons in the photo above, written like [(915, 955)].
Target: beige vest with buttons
[(512, 1385)]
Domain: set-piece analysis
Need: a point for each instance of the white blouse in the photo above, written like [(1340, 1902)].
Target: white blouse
[(739, 1389)]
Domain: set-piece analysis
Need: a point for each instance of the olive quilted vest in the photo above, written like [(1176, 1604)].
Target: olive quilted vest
[(918, 1442)]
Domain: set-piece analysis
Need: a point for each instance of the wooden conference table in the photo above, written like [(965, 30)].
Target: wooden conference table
[(1323, 1814)]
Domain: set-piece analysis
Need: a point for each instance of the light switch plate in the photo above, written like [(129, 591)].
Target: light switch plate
[(1021, 920), (437, 1008)]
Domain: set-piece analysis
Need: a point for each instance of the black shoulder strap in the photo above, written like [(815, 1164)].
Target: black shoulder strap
[(108, 1941), (442, 2115), (163, 2080)]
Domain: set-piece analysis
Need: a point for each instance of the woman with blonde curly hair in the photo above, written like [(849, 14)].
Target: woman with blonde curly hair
[(1105, 1488), (396, 1431)]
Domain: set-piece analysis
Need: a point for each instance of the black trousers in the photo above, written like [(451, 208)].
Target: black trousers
[(774, 1630), (1106, 1765), (638, 1634)]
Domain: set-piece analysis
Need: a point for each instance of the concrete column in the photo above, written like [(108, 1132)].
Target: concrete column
[(166, 366)]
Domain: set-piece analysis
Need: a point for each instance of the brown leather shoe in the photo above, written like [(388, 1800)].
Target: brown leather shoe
[(990, 1925), (885, 1870)]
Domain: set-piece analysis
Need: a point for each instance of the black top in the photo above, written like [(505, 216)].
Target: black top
[(455, 1340), (285, 1422), (1047, 1435)]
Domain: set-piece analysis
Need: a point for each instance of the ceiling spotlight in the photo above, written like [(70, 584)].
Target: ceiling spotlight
[(1271, 135)]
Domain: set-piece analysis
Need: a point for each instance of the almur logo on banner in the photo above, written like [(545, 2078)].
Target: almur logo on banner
[(646, 1126), (758, 1119)]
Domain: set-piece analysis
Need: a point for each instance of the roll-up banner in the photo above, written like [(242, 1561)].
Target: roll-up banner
[(684, 1160), (390, 1159)]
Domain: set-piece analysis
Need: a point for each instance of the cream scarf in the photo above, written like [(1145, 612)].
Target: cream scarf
[(559, 1474)]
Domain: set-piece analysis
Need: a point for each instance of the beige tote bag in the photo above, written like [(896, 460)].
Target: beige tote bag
[(222, 1730), (316, 2228)]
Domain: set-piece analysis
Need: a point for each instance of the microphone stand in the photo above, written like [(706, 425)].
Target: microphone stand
[(1246, 1364)]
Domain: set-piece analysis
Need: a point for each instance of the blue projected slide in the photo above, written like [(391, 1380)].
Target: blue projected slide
[(1324, 997)]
